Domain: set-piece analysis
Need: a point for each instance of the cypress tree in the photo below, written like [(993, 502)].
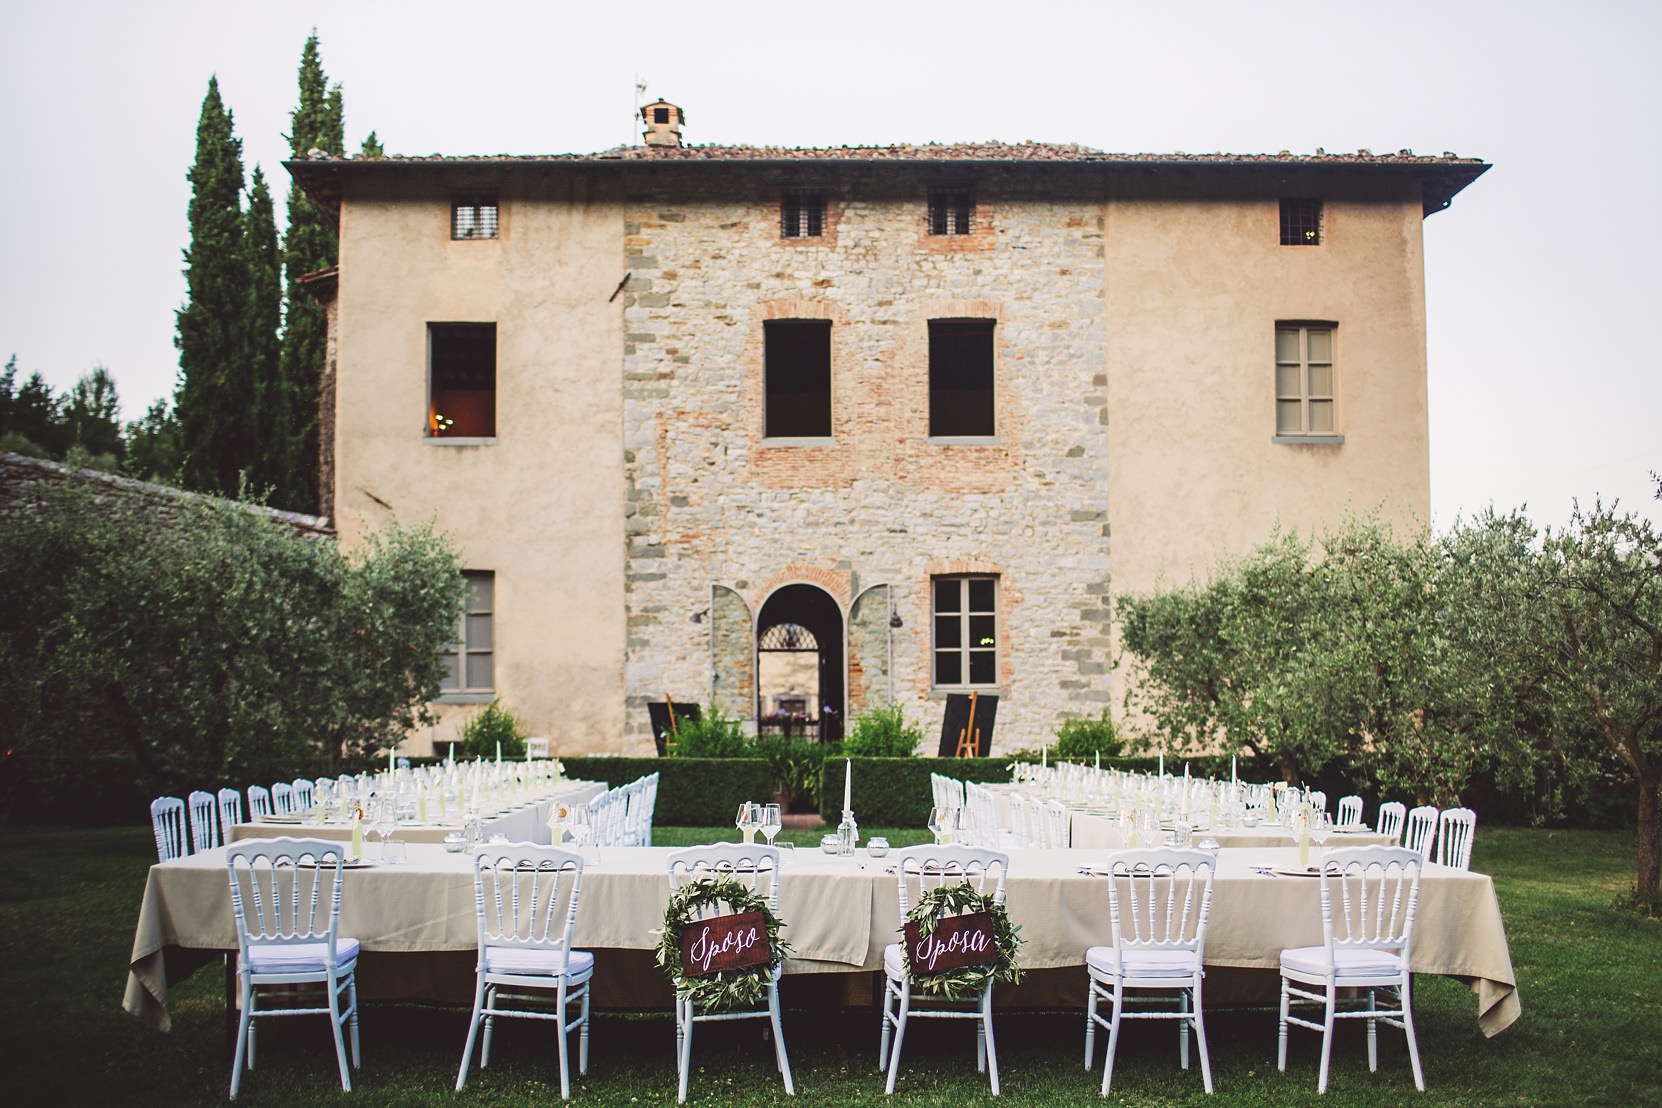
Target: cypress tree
[(309, 244), (215, 397), (262, 320), (372, 147)]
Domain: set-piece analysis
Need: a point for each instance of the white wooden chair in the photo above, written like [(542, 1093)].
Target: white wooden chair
[(204, 821), (286, 896), (167, 820), (1350, 811), (1317, 799), (301, 793), (1058, 825), (1021, 822), (537, 747), (259, 803), (526, 897), (1391, 816), (1158, 905), (1455, 828), (1420, 833), (282, 799), (1368, 898), (756, 867), (230, 811), (920, 869)]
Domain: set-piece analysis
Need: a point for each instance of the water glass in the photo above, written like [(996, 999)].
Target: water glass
[(772, 821)]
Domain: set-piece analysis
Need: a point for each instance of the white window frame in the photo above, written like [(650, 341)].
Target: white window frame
[(468, 219), (466, 647), (965, 647), (1298, 381)]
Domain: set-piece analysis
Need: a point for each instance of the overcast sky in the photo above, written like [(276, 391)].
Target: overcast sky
[(1545, 381)]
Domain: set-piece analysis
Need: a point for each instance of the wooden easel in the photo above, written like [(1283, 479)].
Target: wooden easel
[(673, 733), (969, 739)]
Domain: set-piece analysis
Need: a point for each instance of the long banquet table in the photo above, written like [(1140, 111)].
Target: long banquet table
[(839, 913), (522, 821)]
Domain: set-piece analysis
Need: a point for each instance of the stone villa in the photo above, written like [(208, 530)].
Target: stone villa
[(815, 430)]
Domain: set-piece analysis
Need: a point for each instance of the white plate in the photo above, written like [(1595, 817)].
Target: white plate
[(1296, 871)]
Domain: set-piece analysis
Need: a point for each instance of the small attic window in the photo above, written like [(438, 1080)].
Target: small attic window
[(660, 115), (473, 215), (1301, 222), (951, 211)]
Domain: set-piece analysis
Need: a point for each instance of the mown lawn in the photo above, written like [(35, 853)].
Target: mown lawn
[(1590, 980)]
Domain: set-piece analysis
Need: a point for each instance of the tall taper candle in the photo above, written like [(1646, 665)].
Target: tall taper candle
[(848, 785)]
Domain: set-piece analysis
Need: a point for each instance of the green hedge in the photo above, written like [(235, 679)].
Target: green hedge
[(692, 792), (894, 792)]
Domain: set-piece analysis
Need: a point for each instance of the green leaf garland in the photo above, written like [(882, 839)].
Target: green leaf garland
[(965, 982), (724, 989)]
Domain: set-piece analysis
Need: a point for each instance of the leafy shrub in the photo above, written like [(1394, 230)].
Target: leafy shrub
[(209, 642), (795, 765), (713, 736), (491, 725), (1086, 738), (882, 733)]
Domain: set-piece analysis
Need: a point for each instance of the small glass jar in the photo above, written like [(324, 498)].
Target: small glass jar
[(877, 846), (831, 844)]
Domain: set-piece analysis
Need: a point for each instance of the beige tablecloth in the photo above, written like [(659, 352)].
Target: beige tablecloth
[(839, 914), (520, 821)]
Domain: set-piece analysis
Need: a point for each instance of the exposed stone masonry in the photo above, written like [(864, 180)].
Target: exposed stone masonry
[(713, 504)]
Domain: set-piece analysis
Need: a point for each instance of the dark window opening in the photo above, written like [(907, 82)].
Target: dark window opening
[(473, 216), (461, 374), (802, 215), (960, 377), (1301, 222), (966, 631), (660, 115), (798, 372), (950, 210)]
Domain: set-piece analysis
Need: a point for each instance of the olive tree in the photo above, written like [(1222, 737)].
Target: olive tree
[(209, 641)]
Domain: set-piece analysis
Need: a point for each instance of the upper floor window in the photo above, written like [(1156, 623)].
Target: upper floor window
[(951, 210), (1301, 222), (960, 377), (468, 664), (1304, 382), (473, 215), (798, 372), (965, 632), (802, 214), (461, 380)]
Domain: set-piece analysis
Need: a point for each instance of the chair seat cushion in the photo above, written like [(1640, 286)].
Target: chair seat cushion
[(1142, 963), (301, 957), (537, 963), (1348, 962), (894, 961)]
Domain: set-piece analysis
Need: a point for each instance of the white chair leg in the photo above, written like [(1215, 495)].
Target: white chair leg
[(1090, 1021), (1183, 1029), (472, 1035), (244, 1053), (1281, 1034), (564, 1044), (992, 1047), (490, 1026), (335, 1019), (779, 1040), (1113, 1036), (1200, 1038), (583, 1035), (1408, 1029), (1373, 1034), (352, 998), (684, 1062), (1327, 1034), (899, 1035), (887, 1021)]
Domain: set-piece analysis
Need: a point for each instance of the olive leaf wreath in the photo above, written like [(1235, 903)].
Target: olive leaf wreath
[(966, 982), (723, 989)]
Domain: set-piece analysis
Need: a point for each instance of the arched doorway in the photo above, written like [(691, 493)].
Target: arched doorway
[(799, 658)]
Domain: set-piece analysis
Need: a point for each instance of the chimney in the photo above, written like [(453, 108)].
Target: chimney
[(663, 123)]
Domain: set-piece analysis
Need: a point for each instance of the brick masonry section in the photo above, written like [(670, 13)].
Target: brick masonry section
[(718, 518)]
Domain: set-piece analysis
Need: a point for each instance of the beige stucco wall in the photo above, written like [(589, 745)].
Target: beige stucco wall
[(630, 480), (540, 506), (1195, 287)]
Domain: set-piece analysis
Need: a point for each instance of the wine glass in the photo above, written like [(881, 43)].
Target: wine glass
[(384, 812), (772, 821), (579, 825), (964, 830), (1321, 826), (940, 823), (746, 821)]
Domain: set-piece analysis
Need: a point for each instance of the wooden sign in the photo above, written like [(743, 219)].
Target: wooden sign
[(958, 941), (724, 943)]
